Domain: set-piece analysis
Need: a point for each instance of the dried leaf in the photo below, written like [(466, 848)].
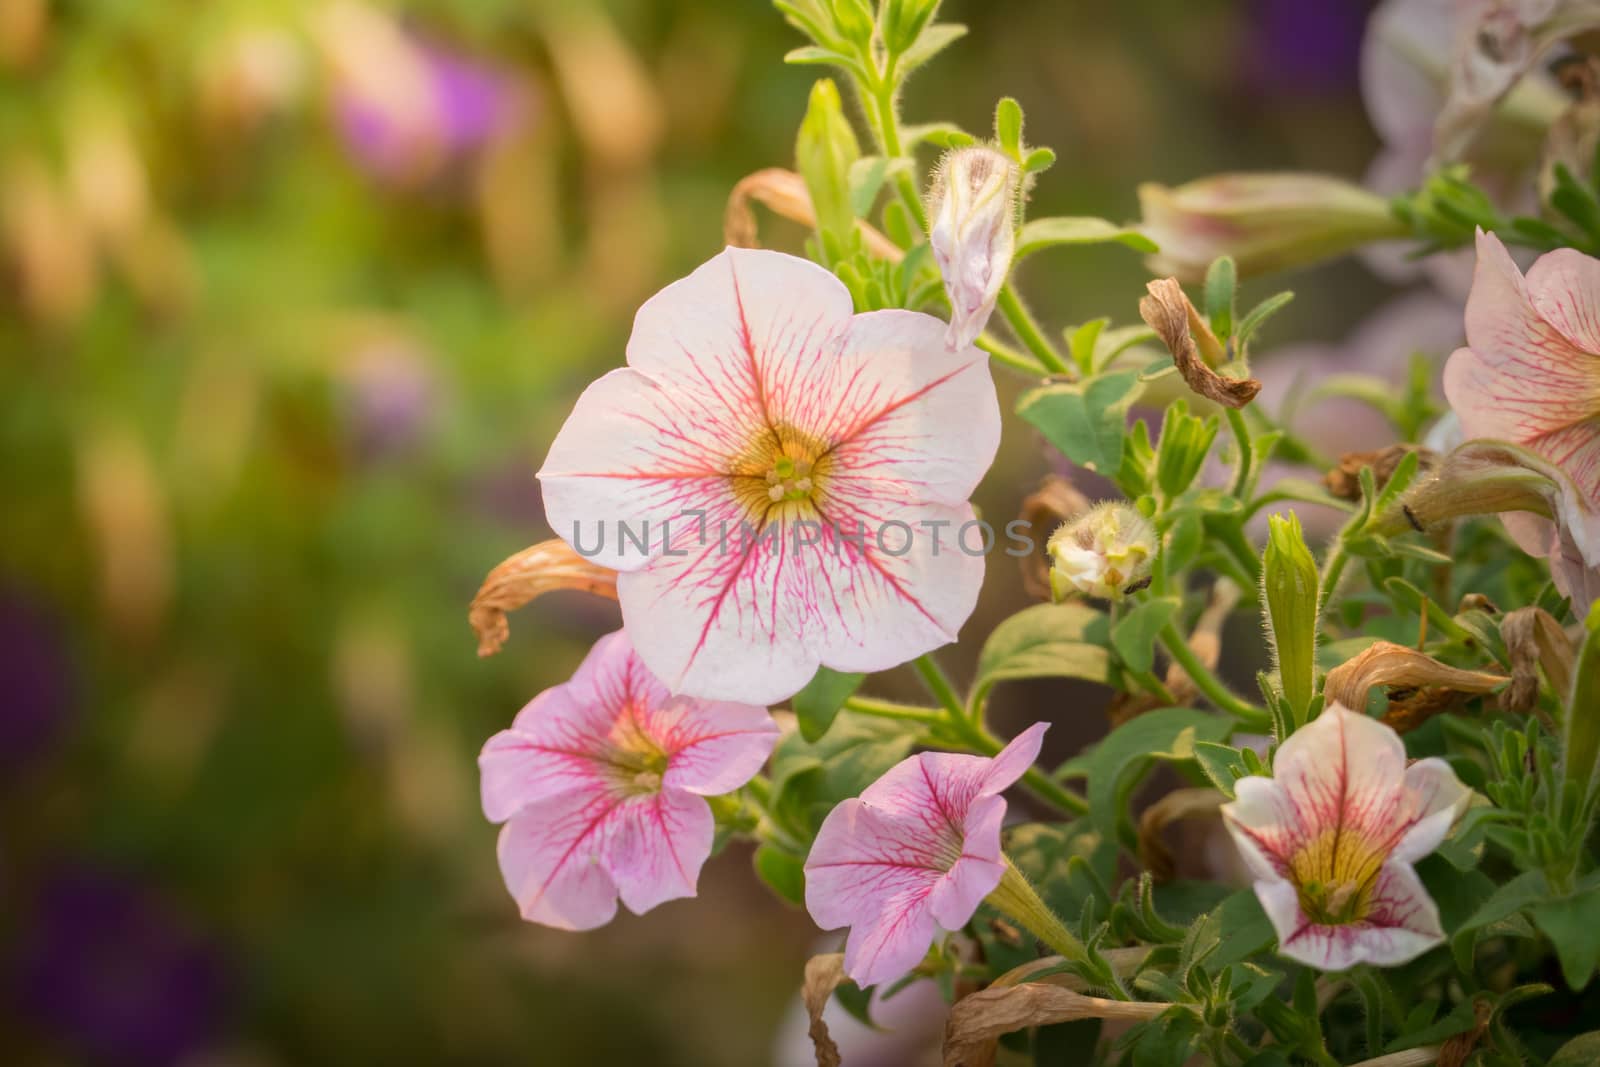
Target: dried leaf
[(1176, 805), (1456, 1049), (784, 193), (977, 1022), (1344, 481), (1534, 639), (1396, 665), (1410, 708), (542, 568), (823, 976), (1169, 313)]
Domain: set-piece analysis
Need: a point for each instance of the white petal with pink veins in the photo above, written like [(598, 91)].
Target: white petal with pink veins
[(744, 335), (1564, 286), (716, 749), (550, 859), (635, 452), (1403, 925)]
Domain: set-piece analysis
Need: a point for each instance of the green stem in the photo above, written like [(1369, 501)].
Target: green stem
[(1241, 435), (940, 687), (1231, 536), (1028, 332), (1207, 682), (1010, 357), (758, 791), (887, 709), (1332, 571)]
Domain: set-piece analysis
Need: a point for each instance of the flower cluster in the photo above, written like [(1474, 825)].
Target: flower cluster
[(793, 405)]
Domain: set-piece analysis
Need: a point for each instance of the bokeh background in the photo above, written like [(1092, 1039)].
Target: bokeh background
[(295, 294)]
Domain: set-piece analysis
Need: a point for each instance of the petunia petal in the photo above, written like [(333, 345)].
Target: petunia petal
[(1013, 761), (635, 455), (712, 748), (550, 859), (747, 332), (864, 861), (1564, 287), (1436, 800), (957, 896), (1343, 771), (1403, 925), (654, 847), (1264, 826), (890, 948), (897, 407)]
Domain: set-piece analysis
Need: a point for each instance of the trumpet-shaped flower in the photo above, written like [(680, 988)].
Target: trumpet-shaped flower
[(1331, 838), (916, 853), (781, 483), (1530, 375), (601, 783)]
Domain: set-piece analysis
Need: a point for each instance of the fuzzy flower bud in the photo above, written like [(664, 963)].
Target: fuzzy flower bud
[(973, 207), (1290, 586), (1102, 554), (1266, 222)]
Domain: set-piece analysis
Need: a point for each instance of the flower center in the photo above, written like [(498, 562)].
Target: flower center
[(781, 473), (1334, 876), (635, 762)]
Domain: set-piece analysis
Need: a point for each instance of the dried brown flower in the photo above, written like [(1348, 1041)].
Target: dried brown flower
[(1406, 668), (539, 569), (1344, 481), (823, 975), (1533, 640), (784, 193), (1194, 347)]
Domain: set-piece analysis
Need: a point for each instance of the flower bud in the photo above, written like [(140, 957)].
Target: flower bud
[(1290, 585), (1266, 222), (973, 207), (825, 151), (1102, 554)]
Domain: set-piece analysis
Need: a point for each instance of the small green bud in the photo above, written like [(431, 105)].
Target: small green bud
[(854, 20), (1102, 554), (904, 21), (825, 151), (1185, 442), (1290, 586)]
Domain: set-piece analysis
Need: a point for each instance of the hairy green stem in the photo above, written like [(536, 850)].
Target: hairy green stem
[(1207, 682)]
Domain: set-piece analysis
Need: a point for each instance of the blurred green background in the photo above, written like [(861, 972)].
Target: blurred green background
[(295, 295)]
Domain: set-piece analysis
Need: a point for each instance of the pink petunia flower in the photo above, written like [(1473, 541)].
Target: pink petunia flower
[(1530, 375), (781, 483), (916, 853), (601, 784), (1330, 839)]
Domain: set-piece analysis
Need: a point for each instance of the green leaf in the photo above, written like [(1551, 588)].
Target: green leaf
[(809, 779), (1511, 899), (814, 54), (1581, 1051), (1008, 127), (1168, 734), (934, 39), (1220, 763), (1084, 419), (1046, 641), (1230, 933), (1038, 234), (1573, 926), (1038, 161), (867, 176), (1580, 747), (1222, 281), (1134, 636), (783, 872), (816, 705), (1256, 316)]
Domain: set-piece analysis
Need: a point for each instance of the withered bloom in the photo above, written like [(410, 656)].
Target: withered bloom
[(537, 570), (1396, 665), (1169, 313)]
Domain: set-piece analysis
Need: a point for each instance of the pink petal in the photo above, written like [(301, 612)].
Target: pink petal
[(1344, 771), (656, 845), (1564, 286), (890, 949), (1013, 761), (1520, 378), (749, 331), (713, 748), (557, 741), (957, 895), (550, 859), (865, 863), (642, 453)]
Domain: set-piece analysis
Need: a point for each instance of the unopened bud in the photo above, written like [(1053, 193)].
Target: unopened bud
[(1266, 222), (825, 151), (1103, 554), (973, 206), (1291, 586)]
